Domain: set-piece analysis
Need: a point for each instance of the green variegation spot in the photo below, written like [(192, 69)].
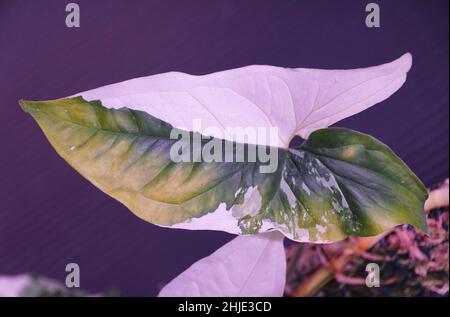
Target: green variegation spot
[(338, 183)]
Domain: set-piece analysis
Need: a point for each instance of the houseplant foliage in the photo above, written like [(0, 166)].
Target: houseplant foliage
[(337, 183), (411, 263)]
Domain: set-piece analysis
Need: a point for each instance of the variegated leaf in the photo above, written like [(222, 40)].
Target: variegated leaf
[(338, 183)]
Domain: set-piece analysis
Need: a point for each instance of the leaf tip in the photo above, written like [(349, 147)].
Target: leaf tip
[(404, 62), (27, 105), (22, 104)]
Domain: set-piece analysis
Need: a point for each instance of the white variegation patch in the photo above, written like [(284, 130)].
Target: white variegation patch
[(293, 100), (218, 220)]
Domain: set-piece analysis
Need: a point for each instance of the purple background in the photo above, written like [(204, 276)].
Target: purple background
[(50, 215)]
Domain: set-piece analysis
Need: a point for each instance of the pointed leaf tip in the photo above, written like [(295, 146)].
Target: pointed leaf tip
[(404, 62), (22, 104), (29, 106)]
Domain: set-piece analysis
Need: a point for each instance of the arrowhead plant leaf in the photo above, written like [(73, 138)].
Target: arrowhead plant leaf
[(338, 183)]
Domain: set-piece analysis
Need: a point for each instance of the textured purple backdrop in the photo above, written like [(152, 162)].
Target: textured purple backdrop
[(50, 215)]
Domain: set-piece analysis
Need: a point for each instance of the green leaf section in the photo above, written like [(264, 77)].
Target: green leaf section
[(338, 183)]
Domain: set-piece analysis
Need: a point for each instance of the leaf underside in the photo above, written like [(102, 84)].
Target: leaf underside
[(337, 183)]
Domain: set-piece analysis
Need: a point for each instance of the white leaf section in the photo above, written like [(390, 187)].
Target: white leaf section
[(245, 266), (13, 286), (296, 101)]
